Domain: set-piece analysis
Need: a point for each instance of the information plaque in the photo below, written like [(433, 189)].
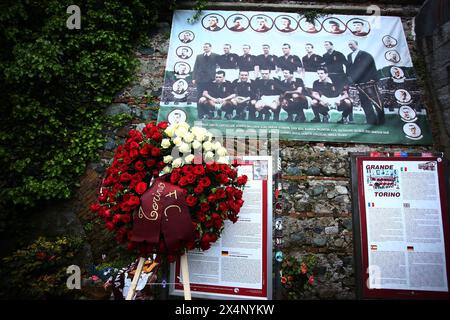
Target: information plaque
[(401, 226), (239, 264)]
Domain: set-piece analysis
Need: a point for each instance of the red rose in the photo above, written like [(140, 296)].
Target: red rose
[(163, 125), (212, 166), (209, 224), (199, 170), (146, 149), (127, 160), (232, 174), (183, 182), (174, 177), (134, 153), (156, 152), (201, 216), (204, 182), (134, 145), (124, 177), (133, 202), (125, 218), (186, 169), (233, 217), (204, 207), (95, 207), (160, 165), (191, 201), (220, 193), (150, 163), (109, 226), (157, 136), (199, 189), (222, 178), (242, 180), (207, 239), (139, 166), (141, 187), (212, 198), (225, 169), (191, 178), (238, 194), (116, 218), (223, 206), (107, 214)]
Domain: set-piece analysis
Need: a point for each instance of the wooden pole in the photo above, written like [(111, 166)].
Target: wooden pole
[(185, 275), (137, 275)]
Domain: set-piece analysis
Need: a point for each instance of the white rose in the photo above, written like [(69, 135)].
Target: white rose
[(184, 125), (167, 169), (181, 132), (223, 160), (189, 159), (167, 159), (170, 130), (178, 141), (198, 130), (189, 137), (221, 152), (196, 144), (216, 145), (209, 156), (178, 162), (165, 143), (184, 148), (207, 146), (199, 133)]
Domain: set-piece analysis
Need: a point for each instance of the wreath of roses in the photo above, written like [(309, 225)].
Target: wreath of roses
[(213, 188)]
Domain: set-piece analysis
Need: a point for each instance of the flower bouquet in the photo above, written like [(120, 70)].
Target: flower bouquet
[(183, 164)]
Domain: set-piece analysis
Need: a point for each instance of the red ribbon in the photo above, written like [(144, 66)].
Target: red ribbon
[(163, 212)]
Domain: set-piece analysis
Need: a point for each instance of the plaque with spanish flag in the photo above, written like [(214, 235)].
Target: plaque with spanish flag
[(239, 264), (401, 225)]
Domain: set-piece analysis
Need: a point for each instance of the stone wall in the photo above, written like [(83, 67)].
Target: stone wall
[(433, 40), (316, 185)]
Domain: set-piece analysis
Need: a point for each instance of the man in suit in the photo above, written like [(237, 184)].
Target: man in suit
[(204, 69), (213, 24), (362, 71), (262, 24), (286, 25)]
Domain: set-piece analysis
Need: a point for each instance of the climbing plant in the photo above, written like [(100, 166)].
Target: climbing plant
[(55, 83)]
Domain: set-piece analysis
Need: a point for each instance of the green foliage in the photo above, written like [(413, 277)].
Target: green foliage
[(311, 15), (55, 83), (200, 5), (39, 270), (297, 276)]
